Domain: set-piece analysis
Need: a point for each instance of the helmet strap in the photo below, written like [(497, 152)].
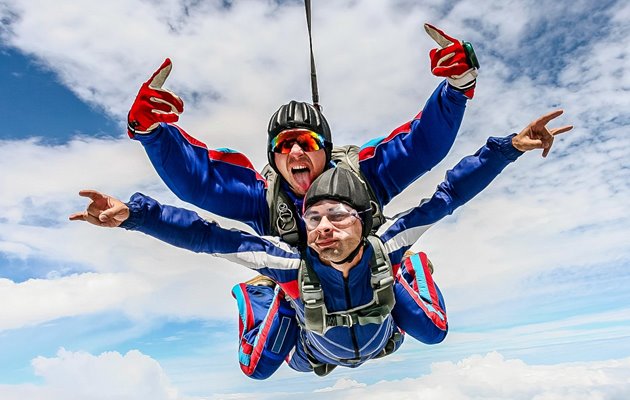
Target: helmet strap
[(353, 254)]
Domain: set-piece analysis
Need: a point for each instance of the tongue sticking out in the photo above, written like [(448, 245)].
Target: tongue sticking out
[(302, 178)]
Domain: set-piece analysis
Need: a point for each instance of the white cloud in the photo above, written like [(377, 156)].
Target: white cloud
[(40, 300), (490, 376), (494, 377), (342, 384), (80, 375)]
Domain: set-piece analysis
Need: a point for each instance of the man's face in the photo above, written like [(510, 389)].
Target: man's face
[(333, 230), (298, 166)]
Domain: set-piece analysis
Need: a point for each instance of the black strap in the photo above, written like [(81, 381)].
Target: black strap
[(307, 5)]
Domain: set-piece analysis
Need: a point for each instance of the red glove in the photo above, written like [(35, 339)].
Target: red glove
[(154, 104), (455, 60)]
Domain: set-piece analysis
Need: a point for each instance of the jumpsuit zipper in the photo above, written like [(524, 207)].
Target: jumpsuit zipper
[(355, 343)]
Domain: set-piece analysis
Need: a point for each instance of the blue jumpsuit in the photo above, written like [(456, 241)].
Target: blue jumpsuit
[(419, 310), (216, 180)]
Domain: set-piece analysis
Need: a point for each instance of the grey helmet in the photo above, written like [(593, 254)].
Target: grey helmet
[(295, 115), (345, 186)]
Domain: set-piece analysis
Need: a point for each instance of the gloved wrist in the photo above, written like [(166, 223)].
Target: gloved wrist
[(468, 89), (134, 127), (454, 59), (465, 81)]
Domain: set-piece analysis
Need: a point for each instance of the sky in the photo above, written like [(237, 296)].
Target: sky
[(535, 270)]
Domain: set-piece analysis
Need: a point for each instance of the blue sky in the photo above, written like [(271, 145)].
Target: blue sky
[(42, 106), (535, 270)]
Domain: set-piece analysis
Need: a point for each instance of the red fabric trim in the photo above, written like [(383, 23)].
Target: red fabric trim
[(368, 152), (235, 158), (261, 339), (440, 322), (291, 289)]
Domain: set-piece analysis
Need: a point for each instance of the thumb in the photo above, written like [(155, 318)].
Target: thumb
[(441, 38), (116, 212), (159, 77)]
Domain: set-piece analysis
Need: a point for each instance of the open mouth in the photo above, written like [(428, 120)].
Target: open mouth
[(302, 176), (300, 169)]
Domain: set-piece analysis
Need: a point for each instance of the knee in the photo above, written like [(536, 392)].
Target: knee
[(437, 337)]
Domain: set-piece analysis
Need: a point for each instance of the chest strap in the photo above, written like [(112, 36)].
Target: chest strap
[(319, 320)]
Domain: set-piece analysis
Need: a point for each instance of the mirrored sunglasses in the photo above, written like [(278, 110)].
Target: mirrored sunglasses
[(307, 140)]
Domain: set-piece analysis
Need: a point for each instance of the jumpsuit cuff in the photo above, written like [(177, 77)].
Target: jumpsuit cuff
[(151, 136), (136, 212), (504, 146)]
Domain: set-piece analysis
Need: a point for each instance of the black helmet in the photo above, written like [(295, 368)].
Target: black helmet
[(345, 186), (294, 115)]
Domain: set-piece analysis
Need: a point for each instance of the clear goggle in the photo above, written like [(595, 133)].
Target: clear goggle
[(340, 216), (307, 140)]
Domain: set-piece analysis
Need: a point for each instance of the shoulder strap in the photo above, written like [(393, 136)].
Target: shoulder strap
[(282, 213), (348, 157), (312, 296), (382, 276)]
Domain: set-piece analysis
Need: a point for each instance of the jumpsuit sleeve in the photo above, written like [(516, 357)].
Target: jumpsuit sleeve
[(186, 229), (420, 310), (214, 180), (468, 178), (392, 163)]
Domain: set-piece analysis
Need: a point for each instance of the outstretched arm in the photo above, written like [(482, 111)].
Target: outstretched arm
[(214, 180), (186, 229), (391, 164), (467, 179)]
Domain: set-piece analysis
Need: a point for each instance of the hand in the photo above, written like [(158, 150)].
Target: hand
[(154, 104), (537, 136), (455, 60), (103, 210)]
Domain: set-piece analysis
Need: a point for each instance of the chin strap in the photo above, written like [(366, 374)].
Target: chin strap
[(354, 253)]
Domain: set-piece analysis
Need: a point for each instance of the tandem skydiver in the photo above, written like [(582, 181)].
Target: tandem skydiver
[(351, 295)]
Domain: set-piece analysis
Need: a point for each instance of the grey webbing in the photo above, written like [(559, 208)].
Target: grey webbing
[(307, 5), (316, 316), (282, 212)]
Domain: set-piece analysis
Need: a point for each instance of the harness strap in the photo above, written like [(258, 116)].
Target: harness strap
[(348, 157), (316, 316), (282, 213)]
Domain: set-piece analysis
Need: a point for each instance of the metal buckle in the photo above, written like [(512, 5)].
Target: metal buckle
[(347, 320)]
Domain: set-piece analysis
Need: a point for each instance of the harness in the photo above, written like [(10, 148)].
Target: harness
[(318, 319), (316, 316), (282, 212)]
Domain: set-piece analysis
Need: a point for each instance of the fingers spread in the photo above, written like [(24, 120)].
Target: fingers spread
[(544, 120), (81, 216), (557, 131)]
